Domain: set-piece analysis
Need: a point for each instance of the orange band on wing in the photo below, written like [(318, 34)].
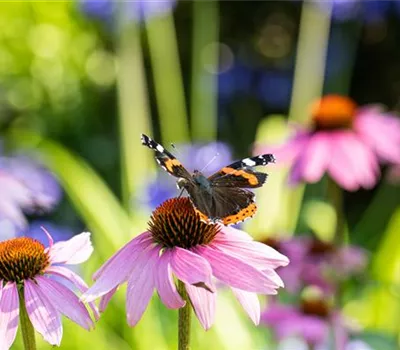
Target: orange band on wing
[(250, 177), (170, 163), (242, 215)]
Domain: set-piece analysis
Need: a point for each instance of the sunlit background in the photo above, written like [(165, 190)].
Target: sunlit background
[(81, 80)]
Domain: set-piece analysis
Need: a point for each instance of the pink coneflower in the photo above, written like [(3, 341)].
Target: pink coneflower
[(313, 320), (346, 141), (26, 271), (178, 243)]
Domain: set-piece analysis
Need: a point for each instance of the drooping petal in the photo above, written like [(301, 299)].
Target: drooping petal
[(381, 132), (203, 303), (65, 301), (316, 157), (140, 286), (343, 167), (250, 304), (76, 280), (165, 284), (9, 315), (44, 316), (238, 273), (117, 269), (259, 254), (74, 251), (105, 299), (364, 161), (189, 267)]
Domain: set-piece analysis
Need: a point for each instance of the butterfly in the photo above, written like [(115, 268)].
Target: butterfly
[(223, 197)]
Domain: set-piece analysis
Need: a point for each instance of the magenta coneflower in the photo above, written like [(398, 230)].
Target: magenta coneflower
[(345, 141), (318, 263), (315, 320), (179, 244), (26, 270)]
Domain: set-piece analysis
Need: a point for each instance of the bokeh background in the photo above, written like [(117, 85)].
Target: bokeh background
[(81, 80)]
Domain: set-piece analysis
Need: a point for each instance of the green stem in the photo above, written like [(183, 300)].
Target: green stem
[(133, 107), (184, 320), (28, 333), (335, 193), (204, 81)]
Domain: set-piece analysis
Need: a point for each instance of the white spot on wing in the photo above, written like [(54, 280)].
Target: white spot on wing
[(249, 162), (160, 148)]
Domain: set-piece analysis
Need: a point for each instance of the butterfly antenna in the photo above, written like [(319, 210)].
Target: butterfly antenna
[(178, 152), (211, 160), (180, 194)]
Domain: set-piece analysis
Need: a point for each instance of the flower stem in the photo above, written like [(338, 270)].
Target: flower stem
[(184, 320), (335, 194), (28, 333)]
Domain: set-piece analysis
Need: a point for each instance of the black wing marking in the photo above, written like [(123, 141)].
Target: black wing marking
[(239, 174), (165, 159)]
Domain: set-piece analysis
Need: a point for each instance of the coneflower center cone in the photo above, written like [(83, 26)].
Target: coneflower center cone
[(175, 223), (22, 258), (333, 112)]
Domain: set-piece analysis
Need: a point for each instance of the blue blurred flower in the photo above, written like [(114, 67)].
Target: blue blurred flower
[(275, 87), (25, 187), (135, 9), (193, 157), (237, 79), (369, 11)]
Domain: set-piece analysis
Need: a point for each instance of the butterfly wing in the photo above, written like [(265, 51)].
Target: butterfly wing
[(165, 159), (239, 174)]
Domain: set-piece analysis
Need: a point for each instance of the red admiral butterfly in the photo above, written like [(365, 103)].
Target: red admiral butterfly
[(222, 197)]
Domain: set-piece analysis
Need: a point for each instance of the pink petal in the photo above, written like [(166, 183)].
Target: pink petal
[(165, 284), (203, 303), (76, 280), (229, 232), (117, 269), (9, 315), (65, 301), (126, 250), (189, 267), (380, 131), (250, 304), (316, 156), (238, 273), (140, 286), (42, 313), (352, 164), (105, 299), (259, 254), (74, 251)]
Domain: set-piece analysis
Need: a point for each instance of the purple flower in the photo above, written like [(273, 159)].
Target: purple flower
[(345, 141), (25, 187), (135, 9), (312, 320), (318, 263), (193, 157), (179, 243), (25, 268)]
